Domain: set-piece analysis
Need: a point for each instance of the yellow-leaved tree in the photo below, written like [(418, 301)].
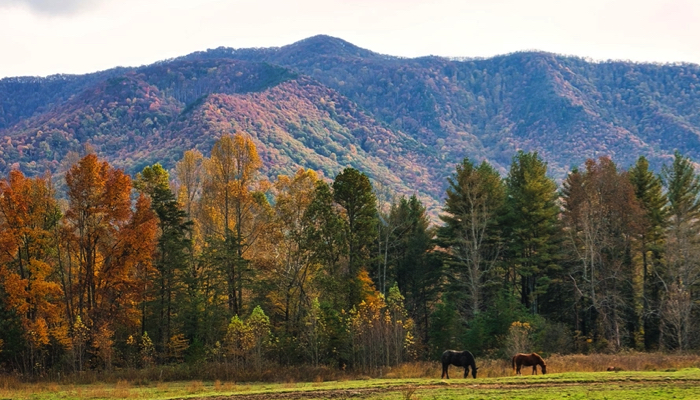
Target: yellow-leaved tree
[(292, 267), (234, 210)]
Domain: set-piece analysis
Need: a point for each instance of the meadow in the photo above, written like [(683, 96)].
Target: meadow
[(638, 376)]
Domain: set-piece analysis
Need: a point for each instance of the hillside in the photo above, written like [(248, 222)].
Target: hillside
[(566, 108), (324, 103)]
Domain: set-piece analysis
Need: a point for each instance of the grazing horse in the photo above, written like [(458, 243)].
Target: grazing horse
[(527, 360), (459, 359)]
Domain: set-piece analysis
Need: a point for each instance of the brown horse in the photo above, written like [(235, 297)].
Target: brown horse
[(527, 360)]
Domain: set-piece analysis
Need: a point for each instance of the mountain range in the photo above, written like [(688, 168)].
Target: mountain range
[(325, 104)]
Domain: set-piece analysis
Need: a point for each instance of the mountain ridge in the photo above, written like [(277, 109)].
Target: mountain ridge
[(410, 120)]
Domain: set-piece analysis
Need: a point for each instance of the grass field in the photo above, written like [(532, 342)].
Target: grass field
[(671, 378)]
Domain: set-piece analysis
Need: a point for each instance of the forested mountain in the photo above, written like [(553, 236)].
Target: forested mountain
[(324, 104), (278, 206)]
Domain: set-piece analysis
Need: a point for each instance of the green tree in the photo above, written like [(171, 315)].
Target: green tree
[(531, 227), (649, 192), (681, 278), (324, 237), (471, 233), (352, 190), (172, 249), (416, 268), (259, 325)]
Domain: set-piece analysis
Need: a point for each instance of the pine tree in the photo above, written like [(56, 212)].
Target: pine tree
[(173, 243), (352, 190), (531, 227), (682, 275), (471, 233), (649, 192), (416, 269)]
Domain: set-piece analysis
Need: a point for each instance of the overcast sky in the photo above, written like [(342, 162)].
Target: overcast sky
[(43, 37)]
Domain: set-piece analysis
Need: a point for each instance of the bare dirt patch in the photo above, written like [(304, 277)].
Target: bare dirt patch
[(359, 393)]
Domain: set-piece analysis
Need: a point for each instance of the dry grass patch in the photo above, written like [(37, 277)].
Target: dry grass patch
[(122, 390), (289, 385), (622, 362), (194, 387), (496, 368)]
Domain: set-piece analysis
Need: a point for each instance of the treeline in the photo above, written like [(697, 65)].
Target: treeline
[(218, 264)]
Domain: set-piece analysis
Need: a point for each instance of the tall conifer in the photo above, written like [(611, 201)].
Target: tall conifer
[(649, 193), (531, 226)]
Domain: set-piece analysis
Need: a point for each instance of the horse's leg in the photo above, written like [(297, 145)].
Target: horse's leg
[(445, 371), (517, 369), (466, 370), (534, 369)]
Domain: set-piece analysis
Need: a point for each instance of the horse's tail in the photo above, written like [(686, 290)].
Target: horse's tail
[(513, 363)]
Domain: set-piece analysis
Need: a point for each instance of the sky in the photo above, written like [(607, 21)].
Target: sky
[(44, 37)]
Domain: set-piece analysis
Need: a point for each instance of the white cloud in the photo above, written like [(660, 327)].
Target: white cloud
[(52, 7)]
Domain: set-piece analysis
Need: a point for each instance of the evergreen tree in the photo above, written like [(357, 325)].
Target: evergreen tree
[(417, 271), (172, 249), (531, 227), (324, 237), (649, 192), (352, 190), (475, 197), (681, 278)]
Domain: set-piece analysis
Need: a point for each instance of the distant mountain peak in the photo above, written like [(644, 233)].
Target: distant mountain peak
[(329, 45)]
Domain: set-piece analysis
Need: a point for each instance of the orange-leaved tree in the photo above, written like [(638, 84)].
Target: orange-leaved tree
[(108, 245), (29, 216)]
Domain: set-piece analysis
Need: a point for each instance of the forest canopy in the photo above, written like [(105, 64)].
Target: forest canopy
[(211, 261)]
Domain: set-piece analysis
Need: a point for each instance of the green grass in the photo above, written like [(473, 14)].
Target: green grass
[(637, 385)]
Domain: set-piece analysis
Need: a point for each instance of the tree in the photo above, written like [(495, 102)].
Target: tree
[(29, 216), (649, 192), (324, 238), (172, 249), (232, 205), (682, 274), (293, 270), (189, 174), (417, 269), (110, 244), (601, 216), (471, 234), (531, 226), (352, 190)]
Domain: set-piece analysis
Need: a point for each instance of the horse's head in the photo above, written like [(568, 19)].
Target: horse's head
[(544, 368), (474, 372)]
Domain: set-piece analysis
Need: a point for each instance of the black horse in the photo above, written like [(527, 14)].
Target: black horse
[(460, 359)]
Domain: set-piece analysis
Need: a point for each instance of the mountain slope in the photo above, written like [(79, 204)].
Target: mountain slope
[(156, 113), (325, 104), (566, 108)]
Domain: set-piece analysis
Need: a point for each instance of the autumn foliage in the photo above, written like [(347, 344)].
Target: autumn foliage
[(220, 265)]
